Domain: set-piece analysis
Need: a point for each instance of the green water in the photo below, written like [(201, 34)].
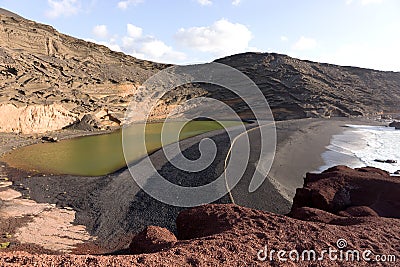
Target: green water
[(103, 154)]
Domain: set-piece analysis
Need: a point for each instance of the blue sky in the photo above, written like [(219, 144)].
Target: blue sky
[(364, 33)]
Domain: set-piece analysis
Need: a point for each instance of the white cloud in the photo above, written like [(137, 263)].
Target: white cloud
[(62, 8), (384, 57), (284, 38), (205, 2), (110, 44), (367, 2), (236, 2), (151, 48), (100, 31), (154, 48), (134, 31), (221, 38), (148, 47), (364, 2), (159, 50), (305, 43), (125, 4)]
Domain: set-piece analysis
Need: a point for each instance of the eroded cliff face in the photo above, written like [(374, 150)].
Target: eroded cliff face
[(40, 67), (34, 118)]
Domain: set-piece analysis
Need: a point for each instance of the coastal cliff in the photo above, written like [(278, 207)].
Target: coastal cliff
[(40, 67)]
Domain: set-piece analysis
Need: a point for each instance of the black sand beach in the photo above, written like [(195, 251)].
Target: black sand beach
[(112, 208)]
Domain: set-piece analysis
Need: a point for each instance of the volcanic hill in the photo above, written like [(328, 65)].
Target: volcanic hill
[(57, 79)]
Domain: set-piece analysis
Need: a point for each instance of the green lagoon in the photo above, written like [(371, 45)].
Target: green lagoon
[(98, 155)]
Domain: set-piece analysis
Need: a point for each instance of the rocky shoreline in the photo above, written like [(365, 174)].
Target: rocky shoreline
[(102, 204)]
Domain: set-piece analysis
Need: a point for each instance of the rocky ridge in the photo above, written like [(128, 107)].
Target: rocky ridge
[(299, 88)]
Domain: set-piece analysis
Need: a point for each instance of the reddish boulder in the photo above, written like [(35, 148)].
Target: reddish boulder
[(339, 188), (359, 211), (315, 215), (152, 239), (202, 221)]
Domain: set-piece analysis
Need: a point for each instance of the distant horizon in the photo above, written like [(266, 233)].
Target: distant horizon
[(349, 33)]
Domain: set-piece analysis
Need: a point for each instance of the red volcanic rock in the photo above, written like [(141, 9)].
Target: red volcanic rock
[(230, 235), (359, 211), (312, 214), (200, 222), (247, 234), (338, 189), (345, 218), (152, 239)]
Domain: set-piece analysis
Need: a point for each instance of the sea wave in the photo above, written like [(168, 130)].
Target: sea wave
[(361, 145)]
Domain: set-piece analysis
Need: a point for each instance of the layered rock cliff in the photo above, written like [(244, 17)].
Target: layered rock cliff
[(34, 118), (40, 67)]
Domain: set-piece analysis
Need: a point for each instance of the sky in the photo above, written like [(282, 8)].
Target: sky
[(362, 33)]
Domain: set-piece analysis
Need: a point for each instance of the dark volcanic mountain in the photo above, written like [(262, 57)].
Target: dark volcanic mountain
[(49, 80), (298, 88)]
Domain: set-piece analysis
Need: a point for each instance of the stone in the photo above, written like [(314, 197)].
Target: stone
[(354, 192), (9, 194), (359, 211), (395, 124), (152, 239), (49, 139), (386, 160)]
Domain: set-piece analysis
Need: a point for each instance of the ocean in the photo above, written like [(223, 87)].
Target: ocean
[(360, 145)]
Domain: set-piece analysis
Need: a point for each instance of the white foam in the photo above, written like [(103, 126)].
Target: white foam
[(360, 145)]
